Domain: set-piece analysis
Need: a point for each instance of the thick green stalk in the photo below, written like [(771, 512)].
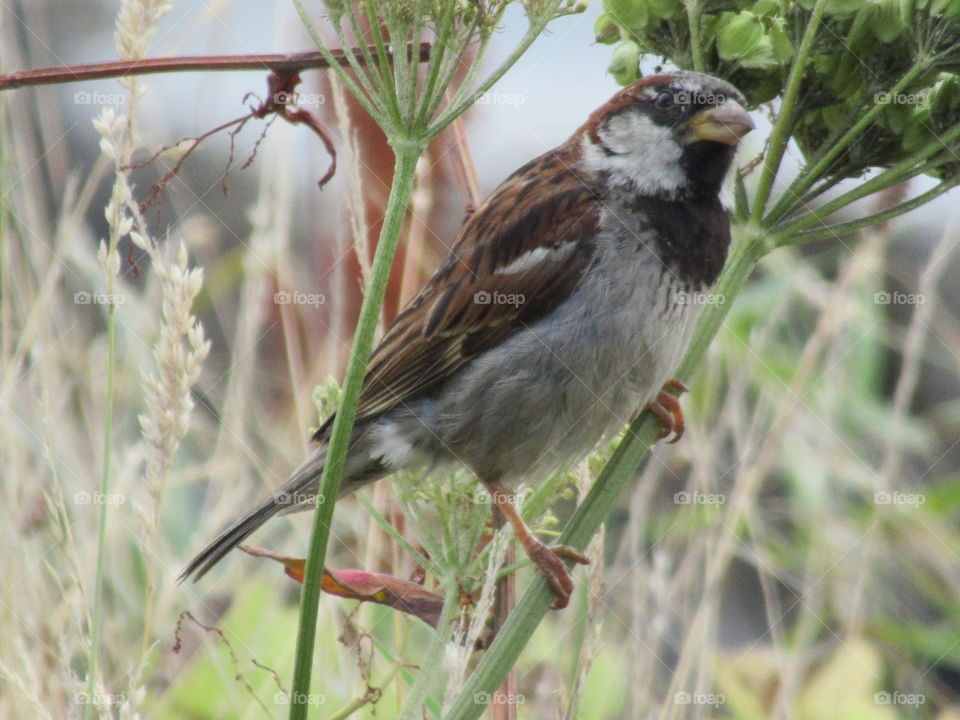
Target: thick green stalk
[(596, 506), (405, 164), (783, 127)]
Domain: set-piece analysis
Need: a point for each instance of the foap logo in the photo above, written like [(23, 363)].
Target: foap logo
[(698, 498), (98, 298), (501, 98), (297, 98), (696, 97), (683, 697), (685, 297), (917, 99), (496, 297), (899, 298), (485, 698), (299, 698), (896, 497), (82, 698), (98, 498), (84, 97), (481, 496), (288, 499), (284, 297), (885, 697)]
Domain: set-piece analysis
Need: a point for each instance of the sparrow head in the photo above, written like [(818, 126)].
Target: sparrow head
[(669, 136)]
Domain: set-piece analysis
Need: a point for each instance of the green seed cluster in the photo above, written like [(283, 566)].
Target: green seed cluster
[(901, 55)]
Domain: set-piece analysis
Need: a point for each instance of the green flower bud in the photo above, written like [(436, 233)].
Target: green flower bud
[(887, 20), (664, 9), (629, 14), (945, 104), (606, 30), (918, 132), (625, 63), (836, 9), (949, 8), (858, 37), (896, 116), (742, 39)]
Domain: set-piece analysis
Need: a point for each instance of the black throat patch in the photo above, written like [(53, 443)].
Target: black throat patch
[(692, 235)]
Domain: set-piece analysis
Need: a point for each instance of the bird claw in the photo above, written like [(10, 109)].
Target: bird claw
[(549, 562), (666, 406)]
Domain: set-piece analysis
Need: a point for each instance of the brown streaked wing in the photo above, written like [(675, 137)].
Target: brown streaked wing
[(545, 204)]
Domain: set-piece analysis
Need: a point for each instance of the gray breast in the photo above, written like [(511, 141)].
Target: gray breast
[(550, 392)]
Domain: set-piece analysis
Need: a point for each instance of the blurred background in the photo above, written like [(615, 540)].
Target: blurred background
[(825, 421)]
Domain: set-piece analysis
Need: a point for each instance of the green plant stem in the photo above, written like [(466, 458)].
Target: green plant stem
[(388, 528), (833, 231), (783, 126), (96, 619), (407, 154), (433, 658), (694, 8), (461, 102), (788, 200), (358, 82), (913, 165), (750, 245)]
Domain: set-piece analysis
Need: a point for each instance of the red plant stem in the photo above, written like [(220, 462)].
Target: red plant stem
[(286, 62)]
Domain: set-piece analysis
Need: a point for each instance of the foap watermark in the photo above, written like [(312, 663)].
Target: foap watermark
[(299, 698), (294, 499), (482, 496), (298, 98), (885, 497), (696, 497), (899, 298), (683, 697), (85, 97), (485, 698), (697, 97), (98, 298), (284, 297), (98, 498), (493, 97), (919, 99), (496, 297), (82, 698), (885, 697), (685, 297)]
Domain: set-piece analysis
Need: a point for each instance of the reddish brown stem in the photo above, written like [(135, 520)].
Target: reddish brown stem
[(285, 62)]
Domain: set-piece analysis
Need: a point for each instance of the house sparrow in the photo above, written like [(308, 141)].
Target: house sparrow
[(567, 301)]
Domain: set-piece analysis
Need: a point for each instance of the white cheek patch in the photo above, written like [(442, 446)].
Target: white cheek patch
[(646, 155), (534, 257)]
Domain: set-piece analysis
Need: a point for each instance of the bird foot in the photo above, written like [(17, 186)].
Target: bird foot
[(666, 406), (549, 561)]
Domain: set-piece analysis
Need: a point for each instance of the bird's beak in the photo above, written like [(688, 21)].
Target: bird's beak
[(726, 123)]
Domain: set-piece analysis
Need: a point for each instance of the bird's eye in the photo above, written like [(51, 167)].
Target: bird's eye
[(663, 101)]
